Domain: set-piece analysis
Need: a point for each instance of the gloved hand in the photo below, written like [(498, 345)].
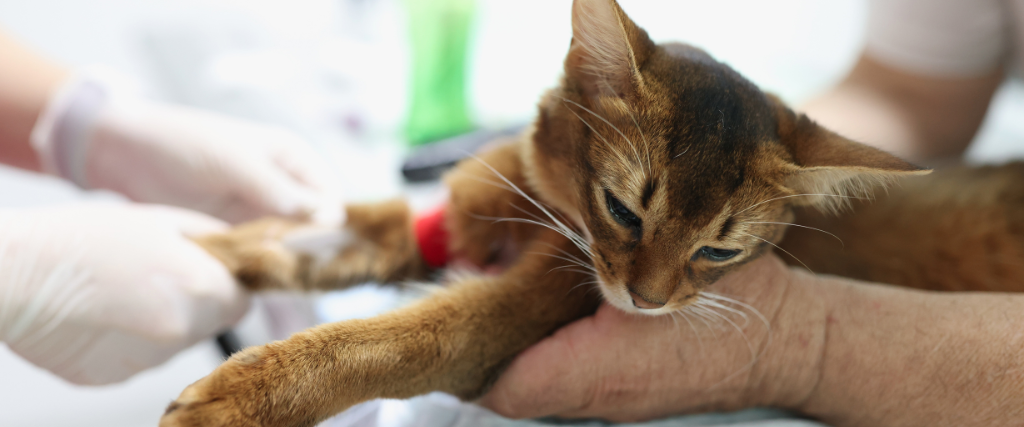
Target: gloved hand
[(97, 293), (97, 137)]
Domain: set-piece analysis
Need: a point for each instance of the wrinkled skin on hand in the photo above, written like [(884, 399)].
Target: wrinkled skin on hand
[(623, 367)]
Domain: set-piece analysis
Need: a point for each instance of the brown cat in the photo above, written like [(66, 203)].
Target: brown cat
[(655, 169)]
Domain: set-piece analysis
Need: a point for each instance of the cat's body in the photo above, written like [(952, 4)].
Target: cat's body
[(958, 229), (656, 170)]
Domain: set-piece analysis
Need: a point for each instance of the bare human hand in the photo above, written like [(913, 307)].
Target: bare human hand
[(711, 357)]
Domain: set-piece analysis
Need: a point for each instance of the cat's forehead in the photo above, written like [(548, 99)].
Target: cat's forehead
[(711, 122)]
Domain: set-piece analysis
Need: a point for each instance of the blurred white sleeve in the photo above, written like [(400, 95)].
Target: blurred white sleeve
[(954, 38)]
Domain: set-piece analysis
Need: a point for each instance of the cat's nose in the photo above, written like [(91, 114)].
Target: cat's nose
[(640, 302)]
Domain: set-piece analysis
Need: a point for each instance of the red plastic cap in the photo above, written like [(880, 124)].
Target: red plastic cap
[(432, 237)]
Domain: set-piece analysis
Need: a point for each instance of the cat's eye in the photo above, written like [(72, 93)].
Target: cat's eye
[(716, 254), (621, 213)]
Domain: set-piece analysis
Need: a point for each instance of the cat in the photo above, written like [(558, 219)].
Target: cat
[(650, 171)]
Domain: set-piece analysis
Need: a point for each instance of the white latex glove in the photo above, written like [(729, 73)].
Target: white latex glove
[(97, 137), (97, 293)]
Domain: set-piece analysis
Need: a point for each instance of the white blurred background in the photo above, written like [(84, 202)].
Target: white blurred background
[(336, 71)]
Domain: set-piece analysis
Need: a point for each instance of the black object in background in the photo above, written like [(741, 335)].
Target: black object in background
[(427, 162), (229, 343)]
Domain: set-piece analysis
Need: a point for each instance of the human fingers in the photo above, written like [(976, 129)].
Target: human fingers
[(264, 189), (300, 163), (551, 377), (191, 223)]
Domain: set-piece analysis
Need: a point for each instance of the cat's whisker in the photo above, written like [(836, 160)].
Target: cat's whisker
[(752, 309), (510, 189), (582, 245), (801, 226), (715, 304), (576, 240), (631, 116), (568, 255), (562, 228), (592, 289), (622, 157), (700, 341), (647, 145), (507, 188), (573, 268), (680, 154), (675, 321), (589, 269), (635, 152), (783, 250), (570, 268), (572, 230), (558, 213), (754, 354), (483, 180), (589, 283), (703, 317), (801, 195)]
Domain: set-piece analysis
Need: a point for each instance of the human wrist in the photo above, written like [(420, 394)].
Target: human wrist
[(789, 369), (62, 134), (897, 356)]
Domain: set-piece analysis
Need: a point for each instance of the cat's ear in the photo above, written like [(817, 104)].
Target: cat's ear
[(830, 169), (607, 49)]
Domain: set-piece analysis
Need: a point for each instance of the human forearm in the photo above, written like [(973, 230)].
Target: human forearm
[(917, 117), (899, 357), (26, 83)]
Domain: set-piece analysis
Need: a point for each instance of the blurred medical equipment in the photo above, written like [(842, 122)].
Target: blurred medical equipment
[(439, 35), (428, 162), (98, 137), (97, 293)]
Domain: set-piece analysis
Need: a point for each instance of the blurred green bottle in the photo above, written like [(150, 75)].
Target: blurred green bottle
[(439, 31)]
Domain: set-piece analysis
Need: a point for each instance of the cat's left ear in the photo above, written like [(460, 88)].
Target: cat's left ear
[(607, 49), (830, 169)]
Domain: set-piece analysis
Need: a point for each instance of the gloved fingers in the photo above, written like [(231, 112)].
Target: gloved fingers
[(212, 295), (302, 164), (294, 155), (201, 298), (191, 223), (270, 190), (232, 208)]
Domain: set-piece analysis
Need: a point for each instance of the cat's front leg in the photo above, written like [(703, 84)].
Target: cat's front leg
[(457, 341)]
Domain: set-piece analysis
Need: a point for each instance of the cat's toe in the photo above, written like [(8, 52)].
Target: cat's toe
[(224, 398), (202, 404)]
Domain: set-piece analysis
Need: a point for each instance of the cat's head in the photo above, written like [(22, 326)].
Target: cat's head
[(678, 169)]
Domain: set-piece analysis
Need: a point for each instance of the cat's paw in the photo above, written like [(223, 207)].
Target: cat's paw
[(376, 243), (191, 410), (250, 389)]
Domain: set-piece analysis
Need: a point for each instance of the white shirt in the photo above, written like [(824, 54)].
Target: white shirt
[(951, 38)]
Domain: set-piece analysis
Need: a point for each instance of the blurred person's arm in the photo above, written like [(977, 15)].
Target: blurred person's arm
[(79, 126), (27, 81), (925, 78), (915, 116), (846, 352)]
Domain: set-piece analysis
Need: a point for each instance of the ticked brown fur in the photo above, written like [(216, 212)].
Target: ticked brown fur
[(651, 170)]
